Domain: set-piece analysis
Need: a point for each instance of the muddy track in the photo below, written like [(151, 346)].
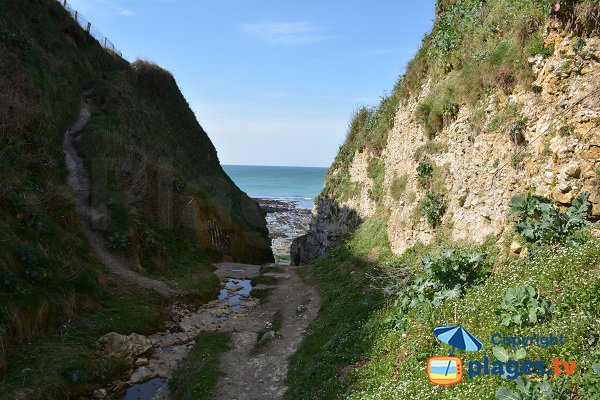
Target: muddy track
[(80, 184)]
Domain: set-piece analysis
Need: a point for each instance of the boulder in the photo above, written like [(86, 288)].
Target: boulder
[(121, 346), (141, 374), (572, 170), (141, 362), (99, 394), (516, 247)]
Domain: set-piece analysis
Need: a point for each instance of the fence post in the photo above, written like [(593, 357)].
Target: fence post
[(76, 16), (65, 3), (105, 42), (89, 26)]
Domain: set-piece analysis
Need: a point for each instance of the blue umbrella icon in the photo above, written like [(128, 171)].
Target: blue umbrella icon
[(457, 337)]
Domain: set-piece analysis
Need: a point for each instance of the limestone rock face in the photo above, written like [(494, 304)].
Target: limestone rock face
[(121, 346), (559, 157), (330, 222)]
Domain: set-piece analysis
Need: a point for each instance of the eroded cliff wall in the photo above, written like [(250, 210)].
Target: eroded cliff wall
[(457, 174)]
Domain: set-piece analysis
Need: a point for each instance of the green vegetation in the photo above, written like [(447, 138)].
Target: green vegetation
[(536, 46), (540, 222), (66, 362), (432, 178), (379, 349), (521, 305), (476, 48), (398, 186), (433, 207), (368, 131), (507, 115), (142, 142), (376, 171), (196, 377), (339, 337), (431, 147), (424, 173), (438, 109)]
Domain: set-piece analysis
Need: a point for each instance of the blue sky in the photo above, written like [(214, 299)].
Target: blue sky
[(272, 82)]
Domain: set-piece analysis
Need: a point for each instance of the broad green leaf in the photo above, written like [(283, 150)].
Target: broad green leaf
[(520, 354), (522, 385), (545, 391), (500, 353), (506, 394)]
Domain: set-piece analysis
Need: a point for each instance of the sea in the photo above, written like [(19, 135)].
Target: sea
[(297, 184)]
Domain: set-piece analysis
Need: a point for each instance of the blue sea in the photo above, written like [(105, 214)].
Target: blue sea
[(299, 184)]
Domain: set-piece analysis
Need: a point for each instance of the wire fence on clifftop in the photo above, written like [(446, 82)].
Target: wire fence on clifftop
[(87, 26)]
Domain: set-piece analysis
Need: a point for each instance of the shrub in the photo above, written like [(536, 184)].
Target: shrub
[(117, 240), (590, 383), (445, 276), (520, 306), (516, 132), (540, 222), (536, 47), (526, 390), (455, 270), (424, 173), (433, 207)]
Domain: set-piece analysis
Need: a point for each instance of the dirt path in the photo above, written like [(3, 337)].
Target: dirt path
[(259, 373), (249, 371), (80, 184)]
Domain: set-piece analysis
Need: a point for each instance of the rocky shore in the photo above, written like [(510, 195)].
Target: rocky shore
[(285, 221)]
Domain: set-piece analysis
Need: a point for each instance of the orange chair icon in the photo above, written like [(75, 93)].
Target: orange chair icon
[(444, 371)]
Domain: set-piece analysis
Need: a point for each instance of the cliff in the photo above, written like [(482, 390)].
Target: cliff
[(162, 202), (501, 99)]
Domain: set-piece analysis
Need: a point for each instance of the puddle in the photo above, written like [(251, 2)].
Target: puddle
[(144, 391), (233, 297)]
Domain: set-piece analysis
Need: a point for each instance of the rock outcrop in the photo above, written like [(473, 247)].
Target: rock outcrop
[(126, 347), (329, 224)]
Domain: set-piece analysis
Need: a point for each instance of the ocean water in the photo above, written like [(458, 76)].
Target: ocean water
[(299, 184)]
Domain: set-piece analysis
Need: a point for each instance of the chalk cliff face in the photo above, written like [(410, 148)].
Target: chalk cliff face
[(542, 138)]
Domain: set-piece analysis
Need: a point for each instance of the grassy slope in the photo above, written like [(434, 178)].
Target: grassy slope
[(355, 351), (55, 298)]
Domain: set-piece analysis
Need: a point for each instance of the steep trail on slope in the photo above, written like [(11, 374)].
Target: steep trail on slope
[(80, 184)]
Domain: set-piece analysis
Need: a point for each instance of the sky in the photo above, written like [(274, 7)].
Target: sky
[(272, 82)]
